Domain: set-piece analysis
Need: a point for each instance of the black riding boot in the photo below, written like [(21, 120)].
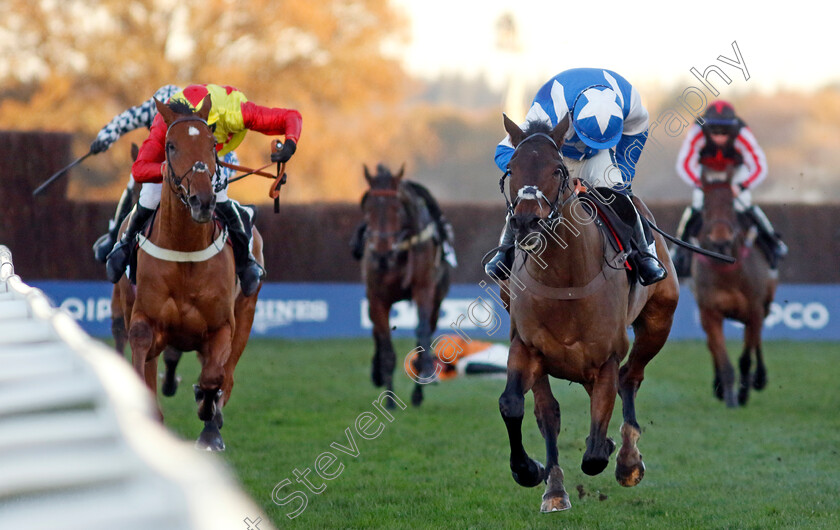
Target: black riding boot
[(500, 264), (689, 227), (117, 260), (643, 257), (105, 243), (357, 242), (250, 272), (768, 233)]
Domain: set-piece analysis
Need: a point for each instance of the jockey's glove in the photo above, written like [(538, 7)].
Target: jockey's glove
[(285, 153), (99, 145)]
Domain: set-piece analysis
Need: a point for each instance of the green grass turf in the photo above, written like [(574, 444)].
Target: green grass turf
[(771, 464)]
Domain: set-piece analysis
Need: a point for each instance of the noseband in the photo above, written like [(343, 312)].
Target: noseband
[(175, 181), (533, 192)]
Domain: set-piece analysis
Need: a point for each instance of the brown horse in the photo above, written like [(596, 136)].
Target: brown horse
[(187, 295), (570, 305), (741, 291), (402, 261)]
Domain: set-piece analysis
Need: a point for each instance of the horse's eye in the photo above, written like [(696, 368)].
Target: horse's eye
[(558, 171), (170, 146)]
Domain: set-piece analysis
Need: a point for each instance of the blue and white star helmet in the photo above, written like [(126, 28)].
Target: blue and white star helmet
[(597, 117)]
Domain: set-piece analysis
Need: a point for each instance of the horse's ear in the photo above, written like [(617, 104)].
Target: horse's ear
[(400, 173), (368, 176), (164, 110), (558, 134), (134, 151), (204, 108), (513, 131)]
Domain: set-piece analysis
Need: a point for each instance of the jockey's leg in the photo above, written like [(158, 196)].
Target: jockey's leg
[(766, 230), (447, 235), (602, 170), (146, 205), (499, 265), (105, 243), (643, 257), (250, 272), (689, 227), (357, 242)]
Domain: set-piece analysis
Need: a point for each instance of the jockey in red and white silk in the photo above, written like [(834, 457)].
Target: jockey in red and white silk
[(231, 116), (719, 140)]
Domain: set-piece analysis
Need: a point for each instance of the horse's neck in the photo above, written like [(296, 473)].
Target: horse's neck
[(573, 254), (175, 228)]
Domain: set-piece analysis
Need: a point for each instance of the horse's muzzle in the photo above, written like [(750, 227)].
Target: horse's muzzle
[(202, 210), (525, 224)]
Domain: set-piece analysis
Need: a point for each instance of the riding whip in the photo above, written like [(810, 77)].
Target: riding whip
[(59, 173)]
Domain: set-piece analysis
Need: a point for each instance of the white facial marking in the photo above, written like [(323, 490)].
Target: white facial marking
[(193, 131)]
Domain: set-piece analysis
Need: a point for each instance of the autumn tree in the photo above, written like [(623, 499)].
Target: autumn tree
[(72, 64)]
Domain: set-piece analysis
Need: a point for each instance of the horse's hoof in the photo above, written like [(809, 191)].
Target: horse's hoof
[(759, 381), (531, 476), (210, 440), (170, 385), (596, 458), (556, 503), (629, 476), (743, 396), (417, 396)]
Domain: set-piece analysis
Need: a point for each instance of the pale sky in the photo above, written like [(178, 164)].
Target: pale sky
[(646, 41)]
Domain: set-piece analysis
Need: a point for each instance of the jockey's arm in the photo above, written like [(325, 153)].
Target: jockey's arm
[(133, 118), (754, 159), (272, 121), (147, 166), (688, 159), (627, 153)]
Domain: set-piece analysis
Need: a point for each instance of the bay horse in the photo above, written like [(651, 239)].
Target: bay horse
[(402, 261), (570, 306), (187, 295), (742, 291)]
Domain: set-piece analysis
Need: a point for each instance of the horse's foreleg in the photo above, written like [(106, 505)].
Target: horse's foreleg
[(426, 323), (208, 392), (724, 382), (602, 392), (384, 358), (547, 411), (244, 310), (520, 377), (752, 343), (141, 338)]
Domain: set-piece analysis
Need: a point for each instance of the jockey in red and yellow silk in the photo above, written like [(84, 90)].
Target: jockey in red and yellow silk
[(231, 116)]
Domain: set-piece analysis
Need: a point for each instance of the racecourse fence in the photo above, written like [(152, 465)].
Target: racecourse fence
[(81, 447), (52, 236)]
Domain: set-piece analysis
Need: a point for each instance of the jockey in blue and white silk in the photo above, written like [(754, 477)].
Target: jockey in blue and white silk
[(607, 136), (609, 125)]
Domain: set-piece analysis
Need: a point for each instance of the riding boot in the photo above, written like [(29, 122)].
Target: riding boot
[(250, 272), (767, 232), (499, 265), (357, 242), (105, 243), (117, 259), (643, 257), (688, 228), (448, 236)]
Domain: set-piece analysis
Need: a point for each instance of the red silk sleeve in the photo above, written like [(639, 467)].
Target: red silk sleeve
[(147, 166), (272, 121)]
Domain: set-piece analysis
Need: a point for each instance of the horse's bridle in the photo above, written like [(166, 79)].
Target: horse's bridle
[(175, 182), (398, 234), (533, 192)]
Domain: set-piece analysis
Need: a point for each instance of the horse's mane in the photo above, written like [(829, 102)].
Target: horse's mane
[(537, 126)]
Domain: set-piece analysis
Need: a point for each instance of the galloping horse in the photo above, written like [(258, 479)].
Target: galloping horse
[(570, 305), (742, 291), (187, 295), (402, 261)]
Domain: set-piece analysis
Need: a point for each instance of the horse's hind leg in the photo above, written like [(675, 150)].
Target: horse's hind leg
[(520, 377), (724, 382), (599, 447), (547, 411), (171, 357), (651, 329)]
